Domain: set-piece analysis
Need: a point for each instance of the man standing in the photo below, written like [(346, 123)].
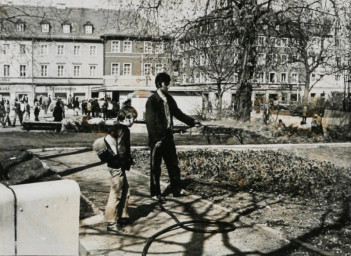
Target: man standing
[(160, 109)]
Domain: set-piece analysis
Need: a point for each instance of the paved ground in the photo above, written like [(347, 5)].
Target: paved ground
[(252, 236)]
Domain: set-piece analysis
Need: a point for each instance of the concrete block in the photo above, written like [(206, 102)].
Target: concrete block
[(47, 218)]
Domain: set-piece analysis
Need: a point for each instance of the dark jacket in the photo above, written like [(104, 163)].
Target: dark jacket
[(156, 121), (58, 114), (124, 159)]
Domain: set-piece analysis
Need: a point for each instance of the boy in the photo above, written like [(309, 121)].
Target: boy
[(118, 139)]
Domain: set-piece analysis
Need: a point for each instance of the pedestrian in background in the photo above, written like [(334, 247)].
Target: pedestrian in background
[(7, 113), (36, 111), (76, 106), (18, 112), (58, 113), (2, 113), (304, 115)]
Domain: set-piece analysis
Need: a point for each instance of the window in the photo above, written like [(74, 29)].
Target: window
[(261, 40), (191, 62), (44, 70), (115, 46), (76, 71), (338, 61), (76, 50), (261, 59), (6, 70), (285, 42), (66, 28), (159, 68), (88, 29), (294, 78), (60, 49), (337, 42), (22, 49), (159, 48), (127, 46), (313, 95), (115, 69), (147, 69), (284, 58), (236, 78), (43, 49), (20, 27), (60, 70), (283, 77), (185, 78), (92, 50), (93, 71), (293, 97), (6, 48), (261, 77), (147, 47), (127, 69), (272, 77), (313, 77), (45, 28), (202, 60), (337, 77), (22, 70)]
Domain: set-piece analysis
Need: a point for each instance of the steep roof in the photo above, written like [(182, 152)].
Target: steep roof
[(104, 21)]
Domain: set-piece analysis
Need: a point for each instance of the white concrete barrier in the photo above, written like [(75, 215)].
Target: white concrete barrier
[(40, 218)]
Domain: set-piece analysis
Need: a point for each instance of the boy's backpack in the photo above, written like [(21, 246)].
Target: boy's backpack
[(105, 153)]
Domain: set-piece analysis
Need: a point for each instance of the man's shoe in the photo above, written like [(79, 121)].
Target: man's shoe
[(159, 198), (181, 193), (116, 228)]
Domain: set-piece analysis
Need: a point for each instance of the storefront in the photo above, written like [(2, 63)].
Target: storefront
[(62, 91)]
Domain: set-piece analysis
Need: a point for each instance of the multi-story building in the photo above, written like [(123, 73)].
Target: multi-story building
[(277, 74), (50, 51), (83, 53)]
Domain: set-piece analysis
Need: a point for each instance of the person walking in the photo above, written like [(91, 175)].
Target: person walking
[(304, 115), (2, 112), (58, 113), (18, 112), (7, 113), (36, 111), (76, 106), (160, 109)]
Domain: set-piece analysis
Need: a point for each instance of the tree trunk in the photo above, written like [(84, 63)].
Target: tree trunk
[(219, 106), (243, 102)]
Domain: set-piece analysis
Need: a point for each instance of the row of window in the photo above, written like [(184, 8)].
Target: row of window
[(44, 70), (126, 46), (46, 27), (147, 69), (44, 50), (149, 47), (259, 78)]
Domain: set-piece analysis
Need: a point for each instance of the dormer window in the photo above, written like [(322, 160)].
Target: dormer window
[(88, 28), (66, 28), (20, 26), (45, 27)]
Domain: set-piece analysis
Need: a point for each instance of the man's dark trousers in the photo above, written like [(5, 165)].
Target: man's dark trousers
[(167, 151)]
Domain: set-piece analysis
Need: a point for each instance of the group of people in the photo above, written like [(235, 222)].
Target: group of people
[(160, 110), (21, 109)]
